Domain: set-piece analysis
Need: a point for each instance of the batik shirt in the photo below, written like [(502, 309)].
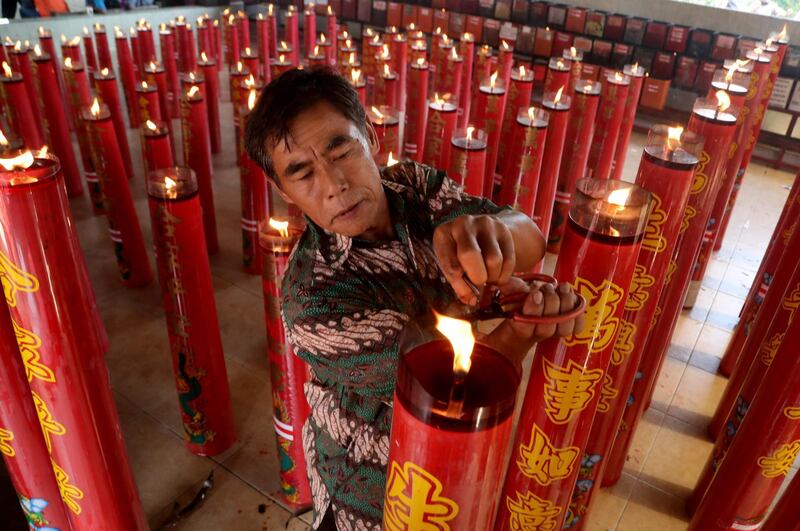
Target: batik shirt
[(345, 305)]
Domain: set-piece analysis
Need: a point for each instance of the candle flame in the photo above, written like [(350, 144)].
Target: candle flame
[(86, 31), (151, 125), (42, 31), (376, 39), (730, 71), (348, 43), (453, 54), (247, 50), (560, 63), (377, 112), (558, 95), (385, 52), (42, 152), (741, 63), (573, 52), (239, 66), (20, 162), (330, 10), (421, 61), (192, 91), (231, 20), (169, 184), (75, 41), (391, 160), (37, 51), (3, 139), (445, 39), (618, 76), (522, 71), (532, 114), (104, 71), (782, 35), (154, 66), (437, 99), (758, 50), (493, 79), (270, 9), (674, 135), (369, 32), (470, 130), (95, 108), (352, 59), (144, 85), (322, 37), (723, 100), (460, 335), (281, 58), (346, 34), (284, 46), (281, 226), (251, 99), (387, 72), (18, 46), (117, 33), (68, 62), (619, 197), (250, 82), (355, 76)]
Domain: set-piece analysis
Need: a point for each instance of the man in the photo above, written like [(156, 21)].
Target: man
[(381, 249)]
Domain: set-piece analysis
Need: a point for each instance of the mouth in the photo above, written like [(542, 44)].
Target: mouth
[(348, 213)]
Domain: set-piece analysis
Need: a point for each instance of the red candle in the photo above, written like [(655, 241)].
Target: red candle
[(519, 97), (19, 109), (88, 48), (105, 85), (48, 47), (157, 146), (254, 198), (190, 50), (147, 47), (442, 58), (399, 52), (103, 50), (182, 38), (783, 516), (236, 80), (288, 373), (216, 38), (156, 76), (128, 75), (557, 105), (386, 122), (71, 49), (21, 443), (669, 183), (419, 50), (147, 102), (317, 58), (718, 133), (244, 28), (453, 409), (416, 114), (521, 181), (292, 34), (123, 223), (263, 40), (347, 64), (309, 28), (208, 68), (197, 152), (609, 122), (468, 159), (440, 125), (359, 84), (467, 51), (386, 88), (580, 129), (191, 314), (21, 60), (251, 62), (204, 43), (57, 323), (136, 52), (437, 38), (568, 377), (56, 121), (488, 116), (636, 75), (450, 80), (326, 49), (168, 59), (506, 61), (272, 23), (331, 29), (559, 73), (575, 58)]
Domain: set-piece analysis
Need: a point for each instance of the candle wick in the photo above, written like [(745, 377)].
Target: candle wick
[(455, 404)]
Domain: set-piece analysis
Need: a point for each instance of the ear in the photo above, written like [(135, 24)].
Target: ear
[(372, 138)]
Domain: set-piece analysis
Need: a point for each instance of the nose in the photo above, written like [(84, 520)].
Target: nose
[(334, 179)]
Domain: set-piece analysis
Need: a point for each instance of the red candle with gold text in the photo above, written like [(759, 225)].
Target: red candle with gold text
[(309, 28), (567, 381), (105, 85), (386, 87), (208, 68), (169, 60), (386, 122), (103, 50), (505, 61), (575, 59), (147, 102), (580, 130), (783, 516), (288, 373), (157, 146), (559, 73), (453, 409), (57, 324), (609, 121), (521, 183), (416, 110), (440, 124), (280, 64), (147, 47), (669, 182), (156, 76), (262, 41), (519, 97), (19, 109), (88, 47), (123, 223), (636, 75), (254, 200), (358, 82), (197, 152), (127, 73), (467, 51), (468, 159), (238, 92), (488, 115), (188, 297), (250, 60), (316, 58)]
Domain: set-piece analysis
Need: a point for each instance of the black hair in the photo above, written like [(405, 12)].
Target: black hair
[(285, 98)]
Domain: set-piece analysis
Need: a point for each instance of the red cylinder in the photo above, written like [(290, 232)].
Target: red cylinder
[(254, 202), (398, 46), (280, 65), (21, 443), (288, 373), (157, 147), (439, 128), (489, 110), (292, 34), (718, 134), (309, 29), (505, 61), (208, 67), (519, 187), (48, 47), (557, 105), (416, 110), (136, 53), (71, 49), (575, 58), (567, 381), (250, 60), (784, 515), (607, 128), (519, 97), (636, 74), (19, 110), (668, 181), (386, 88), (105, 85), (386, 122), (197, 152), (88, 48), (332, 30), (272, 23), (188, 297), (468, 159), (128, 75), (168, 59), (763, 451), (182, 38), (450, 80), (244, 28), (148, 102), (262, 41), (467, 51), (56, 122), (21, 61), (580, 130), (58, 324), (147, 47), (156, 76), (558, 74), (103, 50), (204, 43)]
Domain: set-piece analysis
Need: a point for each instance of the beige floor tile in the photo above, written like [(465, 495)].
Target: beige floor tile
[(725, 310), (696, 397), (702, 305), (712, 340), (687, 330), (643, 441), (609, 504), (667, 383), (737, 281), (715, 272), (651, 509)]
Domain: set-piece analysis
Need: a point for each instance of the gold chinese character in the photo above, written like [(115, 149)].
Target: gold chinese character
[(671, 268), (607, 395), (700, 179), (780, 462), (769, 349), (654, 239), (5, 443), (654, 320), (600, 326), (50, 426), (531, 513), (792, 301), (543, 462), (69, 493), (624, 345), (29, 344), (15, 279), (792, 412), (414, 501), (688, 215), (568, 390), (638, 293)]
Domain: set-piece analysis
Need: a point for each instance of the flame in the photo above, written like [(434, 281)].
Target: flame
[(247, 50), (281, 226), (445, 39), (558, 95), (532, 114), (467, 36), (170, 184), (758, 50), (619, 197), (730, 71), (316, 49), (390, 161), (493, 79), (42, 152), (239, 66), (782, 35), (723, 100), (460, 335), (270, 10), (376, 39), (560, 63), (7, 70), (104, 72), (346, 34), (635, 66), (281, 58), (330, 10), (322, 38), (37, 51), (453, 54), (95, 108), (68, 62), (369, 32), (348, 43), (385, 52), (470, 130), (3, 139), (573, 52), (618, 76), (42, 31), (674, 135), (18, 46), (75, 41), (154, 66), (151, 125), (741, 63), (251, 99), (162, 27), (355, 76), (20, 162), (412, 26), (421, 61), (231, 20), (352, 59), (261, 16), (63, 39), (117, 33), (250, 82), (505, 45), (284, 46), (377, 112), (437, 99), (144, 85), (192, 91), (86, 31), (387, 72)]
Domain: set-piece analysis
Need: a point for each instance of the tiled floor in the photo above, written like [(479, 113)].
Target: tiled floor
[(670, 446)]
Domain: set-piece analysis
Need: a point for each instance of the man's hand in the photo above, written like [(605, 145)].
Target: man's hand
[(478, 247)]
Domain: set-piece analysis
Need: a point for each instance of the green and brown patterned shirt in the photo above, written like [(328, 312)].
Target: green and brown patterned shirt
[(345, 304)]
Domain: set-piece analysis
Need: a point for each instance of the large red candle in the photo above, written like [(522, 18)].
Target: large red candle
[(358, 82), (559, 73), (105, 85), (309, 28), (250, 59), (208, 67), (398, 45), (331, 30), (325, 48), (204, 42), (440, 46), (191, 314), (519, 97), (88, 48), (57, 323), (272, 23), (636, 75), (386, 87), (169, 60), (419, 50), (610, 114), (568, 377), (103, 50), (441, 123), (197, 153), (450, 428), (127, 73), (521, 180), (157, 146), (386, 122), (288, 373), (280, 64), (70, 49), (147, 102), (19, 109), (416, 109), (190, 50), (155, 75), (488, 116), (136, 53), (20, 58), (147, 47), (718, 133), (468, 159), (575, 59), (467, 51), (244, 28), (580, 130), (262, 41), (48, 47), (505, 61), (557, 105), (254, 198), (56, 121), (783, 516), (182, 38), (669, 182), (292, 33), (123, 223)]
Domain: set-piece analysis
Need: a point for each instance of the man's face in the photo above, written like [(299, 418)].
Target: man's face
[(327, 171)]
